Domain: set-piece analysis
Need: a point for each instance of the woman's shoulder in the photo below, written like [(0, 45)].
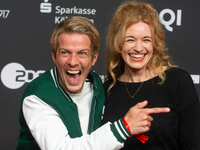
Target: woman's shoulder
[(107, 83), (175, 71), (178, 75)]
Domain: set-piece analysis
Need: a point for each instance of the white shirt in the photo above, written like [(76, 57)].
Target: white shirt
[(83, 101), (50, 133)]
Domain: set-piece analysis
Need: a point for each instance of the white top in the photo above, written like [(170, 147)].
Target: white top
[(83, 101)]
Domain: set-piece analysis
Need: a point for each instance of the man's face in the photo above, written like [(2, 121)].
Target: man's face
[(73, 60)]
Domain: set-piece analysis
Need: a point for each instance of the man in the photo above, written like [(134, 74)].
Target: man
[(62, 108)]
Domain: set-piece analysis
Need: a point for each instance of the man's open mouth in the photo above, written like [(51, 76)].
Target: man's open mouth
[(73, 73)]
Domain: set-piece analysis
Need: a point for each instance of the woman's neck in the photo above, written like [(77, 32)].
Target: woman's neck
[(140, 75)]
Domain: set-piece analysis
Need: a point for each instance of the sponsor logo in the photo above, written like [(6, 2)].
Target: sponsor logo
[(74, 10), (4, 13), (173, 17), (195, 78), (45, 7), (61, 13), (103, 77), (14, 75)]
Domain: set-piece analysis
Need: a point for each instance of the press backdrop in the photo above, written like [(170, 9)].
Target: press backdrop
[(26, 26)]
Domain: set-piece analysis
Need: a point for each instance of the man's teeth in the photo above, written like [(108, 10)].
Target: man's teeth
[(73, 72), (137, 56)]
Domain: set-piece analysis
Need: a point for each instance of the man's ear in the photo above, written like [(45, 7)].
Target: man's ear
[(95, 58)]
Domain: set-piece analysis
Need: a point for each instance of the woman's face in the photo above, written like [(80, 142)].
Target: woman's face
[(138, 46)]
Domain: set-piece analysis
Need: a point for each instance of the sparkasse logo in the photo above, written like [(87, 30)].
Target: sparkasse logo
[(45, 7), (63, 12)]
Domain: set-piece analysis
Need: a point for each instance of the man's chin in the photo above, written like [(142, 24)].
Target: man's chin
[(76, 89)]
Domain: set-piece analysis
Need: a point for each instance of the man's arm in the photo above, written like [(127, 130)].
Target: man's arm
[(50, 133)]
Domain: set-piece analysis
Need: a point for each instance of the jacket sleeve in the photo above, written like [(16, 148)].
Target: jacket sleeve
[(50, 133)]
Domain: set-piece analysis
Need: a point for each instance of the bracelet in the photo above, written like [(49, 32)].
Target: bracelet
[(143, 138), (126, 124)]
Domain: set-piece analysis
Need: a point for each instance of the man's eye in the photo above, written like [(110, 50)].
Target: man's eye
[(64, 52), (83, 53)]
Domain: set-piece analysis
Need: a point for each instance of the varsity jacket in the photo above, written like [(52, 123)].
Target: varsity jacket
[(54, 122)]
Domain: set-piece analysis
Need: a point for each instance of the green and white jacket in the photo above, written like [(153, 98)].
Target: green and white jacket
[(49, 118)]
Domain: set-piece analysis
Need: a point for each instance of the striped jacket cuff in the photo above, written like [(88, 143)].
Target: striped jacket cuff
[(119, 130)]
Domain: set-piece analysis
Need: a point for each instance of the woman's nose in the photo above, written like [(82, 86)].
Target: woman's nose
[(138, 46)]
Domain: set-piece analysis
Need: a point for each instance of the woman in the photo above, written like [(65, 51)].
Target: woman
[(139, 69)]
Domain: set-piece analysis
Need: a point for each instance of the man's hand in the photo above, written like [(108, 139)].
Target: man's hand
[(139, 119)]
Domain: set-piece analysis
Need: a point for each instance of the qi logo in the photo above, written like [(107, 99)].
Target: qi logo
[(172, 19), (45, 7), (14, 75), (195, 79)]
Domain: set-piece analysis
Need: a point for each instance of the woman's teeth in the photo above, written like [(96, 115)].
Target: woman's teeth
[(137, 56)]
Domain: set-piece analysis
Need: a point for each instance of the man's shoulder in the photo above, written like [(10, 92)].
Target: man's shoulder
[(41, 83), (94, 78), (44, 78)]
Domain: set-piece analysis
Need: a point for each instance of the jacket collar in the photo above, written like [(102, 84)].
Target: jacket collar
[(90, 78)]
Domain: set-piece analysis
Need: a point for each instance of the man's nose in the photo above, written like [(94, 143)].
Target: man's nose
[(73, 60)]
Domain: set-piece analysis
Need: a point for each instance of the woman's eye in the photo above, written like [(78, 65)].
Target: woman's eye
[(129, 40), (147, 40)]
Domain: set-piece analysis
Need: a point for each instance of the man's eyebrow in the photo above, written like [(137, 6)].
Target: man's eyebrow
[(79, 50), (63, 49), (148, 37)]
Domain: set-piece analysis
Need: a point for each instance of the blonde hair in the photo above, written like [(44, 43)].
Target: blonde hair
[(76, 24), (129, 13)]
